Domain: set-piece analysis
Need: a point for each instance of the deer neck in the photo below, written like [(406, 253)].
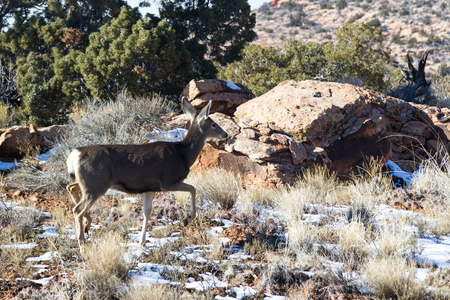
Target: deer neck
[(192, 144)]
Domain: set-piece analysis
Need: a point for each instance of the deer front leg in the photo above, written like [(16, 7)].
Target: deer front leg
[(184, 187), (192, 215), (148, 198)]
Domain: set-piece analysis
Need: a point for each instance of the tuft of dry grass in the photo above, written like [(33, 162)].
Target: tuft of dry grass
[(394, 239), (392, 277), (106, 256), (105, 269), (432, 183), (291, 203), (352, 238), (433, 177), (13, 262), (252, 195), (17, 223), (369, 184), (219, 186), (153, 291), (320, 184)]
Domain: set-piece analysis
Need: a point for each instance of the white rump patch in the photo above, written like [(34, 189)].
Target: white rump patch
[(73, 161)]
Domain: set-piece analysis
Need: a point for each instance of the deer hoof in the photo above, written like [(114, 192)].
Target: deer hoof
[(187, 220)]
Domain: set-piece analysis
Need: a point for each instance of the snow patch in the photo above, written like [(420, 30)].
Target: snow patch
[(19, 246), (435, 254), (209, 282), (233, 86), (48, 256)]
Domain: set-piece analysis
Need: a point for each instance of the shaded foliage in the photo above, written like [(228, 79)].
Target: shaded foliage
[(210, 28), (66, 51)]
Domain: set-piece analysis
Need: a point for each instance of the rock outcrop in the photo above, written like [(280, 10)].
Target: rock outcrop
[(298, 124), (225, 95), (17, 140)]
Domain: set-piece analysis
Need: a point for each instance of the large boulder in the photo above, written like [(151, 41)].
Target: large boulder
[(298, 124), (225, 95), (17, 140)]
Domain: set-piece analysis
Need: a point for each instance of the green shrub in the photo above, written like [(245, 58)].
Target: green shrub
[(412, 42), (356, 57), (374, 23), (404, 12)]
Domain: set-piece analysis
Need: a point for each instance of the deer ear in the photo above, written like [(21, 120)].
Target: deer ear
[(188, 108), (205, 111)]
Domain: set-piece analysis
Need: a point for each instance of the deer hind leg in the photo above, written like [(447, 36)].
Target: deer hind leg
[(74, 190), (148, 198), (80, 210)]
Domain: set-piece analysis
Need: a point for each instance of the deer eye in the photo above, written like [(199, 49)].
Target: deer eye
[(213, 125)]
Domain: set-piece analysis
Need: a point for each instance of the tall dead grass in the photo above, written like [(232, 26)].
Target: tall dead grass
[(432, 183), (219, 186), (392, 277), (105, 269)]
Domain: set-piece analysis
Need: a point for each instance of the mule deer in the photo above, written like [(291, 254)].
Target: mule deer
[(146, 168)]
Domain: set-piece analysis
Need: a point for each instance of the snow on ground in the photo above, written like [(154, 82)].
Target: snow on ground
[(19, 246), (43, 158), (434, 252), (47, 256)]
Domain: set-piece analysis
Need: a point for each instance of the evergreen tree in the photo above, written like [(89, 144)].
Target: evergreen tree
[(358, 56), (135, 55), (212, 30)]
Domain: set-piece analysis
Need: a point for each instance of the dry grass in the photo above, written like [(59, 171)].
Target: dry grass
[(291, 203), (369, 185), (13, 262), (153, 291), (17, 223), (432, 183), (320, 184), (105, 269), (392, 277), (352, 239), (433, 176), (219, 186), (249, 196), (437, 224), (105, 256), (395, 239)]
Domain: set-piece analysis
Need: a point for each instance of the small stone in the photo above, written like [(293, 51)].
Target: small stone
[(298, 152), (280, 138), (17, 193), (35, 197), (248, 133)]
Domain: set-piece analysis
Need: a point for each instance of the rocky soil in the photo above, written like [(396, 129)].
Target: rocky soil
[(408, 26)]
